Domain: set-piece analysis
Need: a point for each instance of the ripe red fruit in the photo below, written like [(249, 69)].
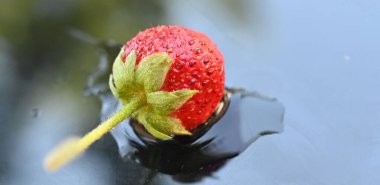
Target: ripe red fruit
[(197, 65), (169, 78)]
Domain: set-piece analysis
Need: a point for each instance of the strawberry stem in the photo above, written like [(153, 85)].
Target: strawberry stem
[(139, 91), (73, 147)]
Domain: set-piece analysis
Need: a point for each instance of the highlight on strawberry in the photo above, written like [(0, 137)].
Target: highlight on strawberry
[(168, 78)]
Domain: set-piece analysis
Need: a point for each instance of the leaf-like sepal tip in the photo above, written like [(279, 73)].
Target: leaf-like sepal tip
[(166, 102), (161, 126), (156, 116), (152, 70), (123, 75)]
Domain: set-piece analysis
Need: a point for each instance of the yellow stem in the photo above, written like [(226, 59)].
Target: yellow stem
[(73, 147)]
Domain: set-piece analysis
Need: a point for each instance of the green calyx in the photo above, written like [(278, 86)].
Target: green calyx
[(142, 83)]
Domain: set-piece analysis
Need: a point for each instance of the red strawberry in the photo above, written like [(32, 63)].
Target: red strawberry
[(198, 65), (170, 79)]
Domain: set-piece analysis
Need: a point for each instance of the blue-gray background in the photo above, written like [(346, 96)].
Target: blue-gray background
[(319, 58)]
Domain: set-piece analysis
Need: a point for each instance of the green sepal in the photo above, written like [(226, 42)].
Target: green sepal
[(166, 102), (152, 70), (122, 81), (161, 126), (143, 84)]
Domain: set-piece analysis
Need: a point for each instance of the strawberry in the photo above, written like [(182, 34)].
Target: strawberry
[(169, 78), (197, 64)]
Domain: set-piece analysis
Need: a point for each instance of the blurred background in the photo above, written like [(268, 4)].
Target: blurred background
[(319, 58)]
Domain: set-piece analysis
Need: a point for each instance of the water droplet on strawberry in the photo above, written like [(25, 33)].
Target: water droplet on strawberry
[(192, 81), (179, 53), (198, 51), (180, 64), (204, 83), (210, 71), (175, 70), (196, 74)]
